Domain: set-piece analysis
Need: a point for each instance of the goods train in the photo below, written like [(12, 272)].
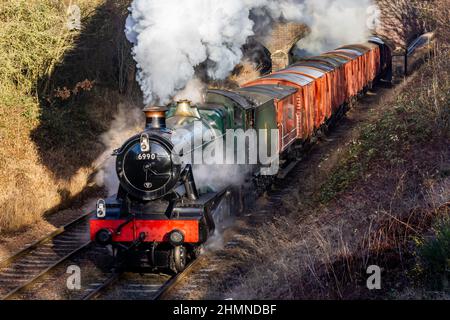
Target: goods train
[(160, 217)]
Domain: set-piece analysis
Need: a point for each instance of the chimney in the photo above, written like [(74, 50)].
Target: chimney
[(155, 117)]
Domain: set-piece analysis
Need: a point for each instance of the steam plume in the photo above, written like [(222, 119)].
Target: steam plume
[(334, 23), (173, 38), (127, 122)]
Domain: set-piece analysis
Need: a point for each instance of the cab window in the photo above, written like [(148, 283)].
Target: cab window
[(238, 118)]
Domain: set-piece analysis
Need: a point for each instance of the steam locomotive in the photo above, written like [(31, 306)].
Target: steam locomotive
[(159, 217)]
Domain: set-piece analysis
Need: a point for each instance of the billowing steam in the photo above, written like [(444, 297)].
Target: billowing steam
[(173, 38), (334, 23), (193, 91), (127, 122)]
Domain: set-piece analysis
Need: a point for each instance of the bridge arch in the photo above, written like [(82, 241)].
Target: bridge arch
[(280, 42)]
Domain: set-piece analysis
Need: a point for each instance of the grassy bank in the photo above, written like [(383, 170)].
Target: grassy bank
[(61, 84)]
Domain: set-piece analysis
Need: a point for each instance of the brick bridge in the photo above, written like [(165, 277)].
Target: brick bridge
[(281, 41)]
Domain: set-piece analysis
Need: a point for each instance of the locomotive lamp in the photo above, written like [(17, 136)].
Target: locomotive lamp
[(176, 237), (101, 208)]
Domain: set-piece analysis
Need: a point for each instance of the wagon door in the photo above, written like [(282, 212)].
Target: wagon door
[(288, 121)]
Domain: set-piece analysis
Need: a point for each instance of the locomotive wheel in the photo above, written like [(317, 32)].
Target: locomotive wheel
[(179, 259)]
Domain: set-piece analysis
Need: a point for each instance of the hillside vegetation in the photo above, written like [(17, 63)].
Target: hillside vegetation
[(60, 83)]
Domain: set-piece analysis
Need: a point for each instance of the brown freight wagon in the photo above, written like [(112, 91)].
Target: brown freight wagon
[(324, 83)]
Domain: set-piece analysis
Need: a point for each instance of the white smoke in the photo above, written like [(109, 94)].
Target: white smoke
[(334, 23), (220, 176), (127, 122), (171, 38), (193, 91)]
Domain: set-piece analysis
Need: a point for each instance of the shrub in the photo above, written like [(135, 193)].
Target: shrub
[(59, 89), (434, 254)]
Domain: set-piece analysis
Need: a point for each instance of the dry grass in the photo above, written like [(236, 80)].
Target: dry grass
[(245, 72), (376, 206), (48, 138)]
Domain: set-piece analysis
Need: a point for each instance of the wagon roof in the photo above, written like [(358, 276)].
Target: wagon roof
[(343, 52), (263, 93), (340, 53), (351, 51), (336, 57), (233, 96), (315, 64), (382, 41), (377, 40), (332, 62), (296, 79), (362, 48), (314, 73)]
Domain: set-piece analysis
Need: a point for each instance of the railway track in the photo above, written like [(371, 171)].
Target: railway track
[(148, 286), (19, 272), (36, 260)]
